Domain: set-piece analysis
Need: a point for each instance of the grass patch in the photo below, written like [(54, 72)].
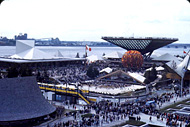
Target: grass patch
[(88, 115), (150, 125), (172, 110), (68, 110), (175, 105), (130, 122)]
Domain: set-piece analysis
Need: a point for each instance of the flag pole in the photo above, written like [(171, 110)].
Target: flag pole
[(85, 57), (85, 52)]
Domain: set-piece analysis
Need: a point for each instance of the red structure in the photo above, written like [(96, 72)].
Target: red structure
[(132, 59)]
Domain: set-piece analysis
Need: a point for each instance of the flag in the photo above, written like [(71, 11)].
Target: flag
[(88, 48), (184, 52)]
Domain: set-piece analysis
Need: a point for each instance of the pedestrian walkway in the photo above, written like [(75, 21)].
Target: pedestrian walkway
[(144, 117), (179, 99)]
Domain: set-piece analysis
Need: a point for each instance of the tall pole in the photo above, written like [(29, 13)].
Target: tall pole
[(55, 92), (66, 91), (85, 57), (182, 77), (147, 88), (85, 51)]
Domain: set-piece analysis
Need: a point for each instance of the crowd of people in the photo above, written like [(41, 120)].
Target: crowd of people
[(110, 84), (107, 112), (67, 74)]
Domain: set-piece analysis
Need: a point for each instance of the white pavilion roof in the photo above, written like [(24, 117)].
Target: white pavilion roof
[(166, 57), (25, 49), (58, 54), (137, 76), (160, 68), (113, 55), (180, 68), (92, 58), (107, 70)]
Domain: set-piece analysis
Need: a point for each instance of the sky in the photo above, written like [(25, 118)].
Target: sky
[(89, 20)]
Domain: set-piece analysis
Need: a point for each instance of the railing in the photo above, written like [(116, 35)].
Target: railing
[(57, 89)]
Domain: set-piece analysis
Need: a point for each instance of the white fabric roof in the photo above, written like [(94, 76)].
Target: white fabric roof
[(113, 91), (166, 57), (113, 55), (107, 70), (25, 49), (184, 64), (92, 58), (58, 54), (32, 54), (23, 45), (137, 76), (160, 68)]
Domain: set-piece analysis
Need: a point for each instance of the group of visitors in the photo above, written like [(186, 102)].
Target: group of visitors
[(107, 112)]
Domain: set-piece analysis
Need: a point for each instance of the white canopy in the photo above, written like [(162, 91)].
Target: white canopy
[(113, 55), (160, 68), (107, 70), (92, 58), (58, 54), (113, 91), (137, 76), (25, 50), (180, 68), (166, 57)]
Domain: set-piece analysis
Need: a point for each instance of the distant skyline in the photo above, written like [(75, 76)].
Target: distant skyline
[(89, 20)]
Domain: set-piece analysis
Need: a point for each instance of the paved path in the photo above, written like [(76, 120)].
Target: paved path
[(172, 101)]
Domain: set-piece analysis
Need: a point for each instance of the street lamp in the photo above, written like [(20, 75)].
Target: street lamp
[(66, 91), (147, 88), (182, 78), (77, 89)]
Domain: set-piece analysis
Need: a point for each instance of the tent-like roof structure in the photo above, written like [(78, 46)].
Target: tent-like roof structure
[(113, 55), (137, 77), (166, 57), (112, 91), (58, 54), (160, 68), (92, 58), (183, 66), (107, 70), (25, 49)]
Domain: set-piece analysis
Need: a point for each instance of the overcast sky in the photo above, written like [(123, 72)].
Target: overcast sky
[(89, 20)]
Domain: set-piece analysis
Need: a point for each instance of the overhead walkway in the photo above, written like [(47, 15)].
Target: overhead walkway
[(72, 91)]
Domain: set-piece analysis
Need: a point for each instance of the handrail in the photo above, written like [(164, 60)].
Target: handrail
[(65, 91)]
